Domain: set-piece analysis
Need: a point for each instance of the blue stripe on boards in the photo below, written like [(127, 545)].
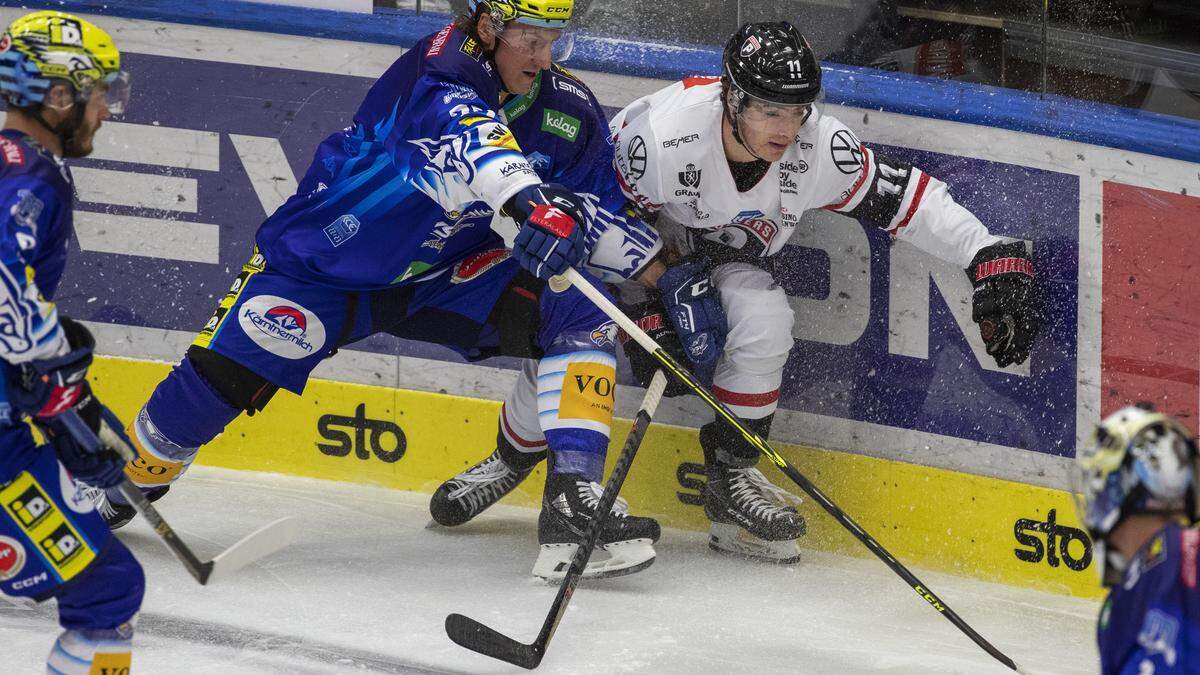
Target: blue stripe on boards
[(1055, 116)]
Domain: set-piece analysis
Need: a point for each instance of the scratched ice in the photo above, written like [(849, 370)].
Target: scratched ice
[(367, 587)]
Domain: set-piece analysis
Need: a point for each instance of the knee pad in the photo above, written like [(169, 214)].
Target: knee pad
[(106, 595), (760, 333), (234, 383)]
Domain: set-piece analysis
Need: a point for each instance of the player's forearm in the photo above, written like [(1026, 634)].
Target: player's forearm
[(946, 229)]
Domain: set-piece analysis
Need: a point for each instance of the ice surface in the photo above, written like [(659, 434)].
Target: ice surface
[(367, 588)]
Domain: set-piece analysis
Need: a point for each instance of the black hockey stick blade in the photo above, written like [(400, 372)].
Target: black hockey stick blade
[(477, 637), (469, 633)]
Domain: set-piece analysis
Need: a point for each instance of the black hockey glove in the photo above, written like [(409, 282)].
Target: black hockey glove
[(1007, 302), (101, 467), (650, 316)]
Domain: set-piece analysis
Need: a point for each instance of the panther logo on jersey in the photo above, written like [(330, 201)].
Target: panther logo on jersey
[(750, 232)]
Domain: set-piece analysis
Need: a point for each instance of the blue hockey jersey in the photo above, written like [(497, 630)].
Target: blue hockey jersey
[(36, 202), (412, 185), (1150, 623)]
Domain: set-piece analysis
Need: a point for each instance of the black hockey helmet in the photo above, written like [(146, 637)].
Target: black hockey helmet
[(770, 61)]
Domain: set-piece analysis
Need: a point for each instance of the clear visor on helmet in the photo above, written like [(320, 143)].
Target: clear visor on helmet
[(536, 41), (117, 92), (757, 111)]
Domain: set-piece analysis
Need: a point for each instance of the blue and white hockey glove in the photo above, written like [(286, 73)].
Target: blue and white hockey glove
[(553, 220), (694, 310)]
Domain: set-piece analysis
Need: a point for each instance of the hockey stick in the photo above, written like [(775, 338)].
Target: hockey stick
[(262, 542), (469, 633), (572, 277)]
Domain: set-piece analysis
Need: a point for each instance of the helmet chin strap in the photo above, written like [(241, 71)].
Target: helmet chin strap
[(737, 136), (66, 130)]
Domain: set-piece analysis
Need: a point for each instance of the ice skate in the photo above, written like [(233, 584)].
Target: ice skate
[(750, 516), (626, 543), (466, 495)]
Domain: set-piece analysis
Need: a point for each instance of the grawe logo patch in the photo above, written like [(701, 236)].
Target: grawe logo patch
[(282, 327), (560, 124)]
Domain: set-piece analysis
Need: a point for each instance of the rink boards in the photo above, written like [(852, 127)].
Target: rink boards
[(986, 528), (952, 463)]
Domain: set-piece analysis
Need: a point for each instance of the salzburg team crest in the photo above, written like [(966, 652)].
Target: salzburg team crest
[(282, 327)]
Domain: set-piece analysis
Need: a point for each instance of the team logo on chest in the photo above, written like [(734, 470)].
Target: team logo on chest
[(637, 157), (690, 176)]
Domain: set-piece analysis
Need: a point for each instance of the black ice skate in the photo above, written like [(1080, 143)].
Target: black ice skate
[(466, 495), (626, 543), (749, 515)]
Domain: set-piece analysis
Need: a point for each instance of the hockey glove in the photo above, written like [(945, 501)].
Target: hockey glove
[(551, 238), (103, 467), (1006, 303), (49, 387), (694, 311), (651, 317)]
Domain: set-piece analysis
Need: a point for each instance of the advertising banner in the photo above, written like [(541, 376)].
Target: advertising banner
[(171, 202)]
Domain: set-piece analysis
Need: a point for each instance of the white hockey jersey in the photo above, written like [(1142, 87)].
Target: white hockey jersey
[(670, 160)]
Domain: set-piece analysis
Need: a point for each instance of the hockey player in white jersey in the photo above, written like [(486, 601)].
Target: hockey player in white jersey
[(736, 160)]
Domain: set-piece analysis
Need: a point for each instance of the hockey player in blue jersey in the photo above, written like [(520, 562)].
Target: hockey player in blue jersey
[(1136, 493), (61, 77), (391, 229)]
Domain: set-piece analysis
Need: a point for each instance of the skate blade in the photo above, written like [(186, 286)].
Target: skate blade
[(616, 559), (728, 538)]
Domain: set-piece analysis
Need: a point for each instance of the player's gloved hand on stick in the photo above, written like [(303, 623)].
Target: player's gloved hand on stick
[(1007, 302), (47, 388), (650, 316), (553, 223), (103, 467), (694, 310)]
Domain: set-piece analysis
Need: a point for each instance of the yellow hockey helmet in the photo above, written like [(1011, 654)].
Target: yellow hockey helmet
[(541, 13), (45, 47)]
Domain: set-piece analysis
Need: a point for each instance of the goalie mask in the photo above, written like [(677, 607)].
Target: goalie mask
[(1139, 461)]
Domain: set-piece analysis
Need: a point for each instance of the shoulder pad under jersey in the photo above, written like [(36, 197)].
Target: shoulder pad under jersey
[(453, 55)]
